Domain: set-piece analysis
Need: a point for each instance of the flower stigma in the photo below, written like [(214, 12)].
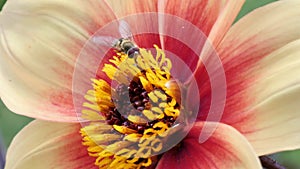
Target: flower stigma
[(131, 119)]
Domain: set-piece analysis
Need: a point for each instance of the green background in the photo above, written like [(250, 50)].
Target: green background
[(11, 123)]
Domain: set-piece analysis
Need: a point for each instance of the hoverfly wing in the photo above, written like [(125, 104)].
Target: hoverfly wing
[(105, 40), (124, 29)]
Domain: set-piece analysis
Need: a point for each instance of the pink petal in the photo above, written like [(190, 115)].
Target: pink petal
[(226, 148), (196, 28), (271, 108), (141, 17), (48, 145), (260, 58), (193, 30), (39, 47), (213, 18)]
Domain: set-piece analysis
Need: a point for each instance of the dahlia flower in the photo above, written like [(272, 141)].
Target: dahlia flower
[(151, 83)]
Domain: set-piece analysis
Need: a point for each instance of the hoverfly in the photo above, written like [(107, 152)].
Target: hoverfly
[(124, 44)]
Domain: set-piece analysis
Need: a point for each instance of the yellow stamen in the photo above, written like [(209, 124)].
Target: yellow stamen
[(146, 84), (134, 137), (137, 119), (130, 140), (123, 129)]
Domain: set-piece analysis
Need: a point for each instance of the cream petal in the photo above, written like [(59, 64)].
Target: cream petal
[(259, 33), (40, 41), (258, 76), (48, 145), (225, 148), (276, 123), (129, 7), (268, 113)]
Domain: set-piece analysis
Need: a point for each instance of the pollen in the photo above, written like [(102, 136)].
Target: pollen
[(129, 118)]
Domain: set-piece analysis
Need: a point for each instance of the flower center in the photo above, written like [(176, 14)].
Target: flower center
[(143, 109), (129, 120)]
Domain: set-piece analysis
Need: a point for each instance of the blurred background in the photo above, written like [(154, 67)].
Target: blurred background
[(11, 123)]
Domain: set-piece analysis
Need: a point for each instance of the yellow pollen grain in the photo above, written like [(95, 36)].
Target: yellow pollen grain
[(126, 152), (103, 162), (148, 133), (153, 97), (117, 161), (101, 85), (102, 139), (91, 115), (137, 119), (163, 104), (159, 144), (105, 153), (157, 110), (96, 128), (144, 152), (149, 114), (148, 163), (118, 146), (172, 103), (161, 128), (134, 160), (92, 106), (160, 95), (144, 142), (170, 111), (141, 63), (146, 84), (110, 70), (151, 76), (134, 137), (118, 60), (123, 129)]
